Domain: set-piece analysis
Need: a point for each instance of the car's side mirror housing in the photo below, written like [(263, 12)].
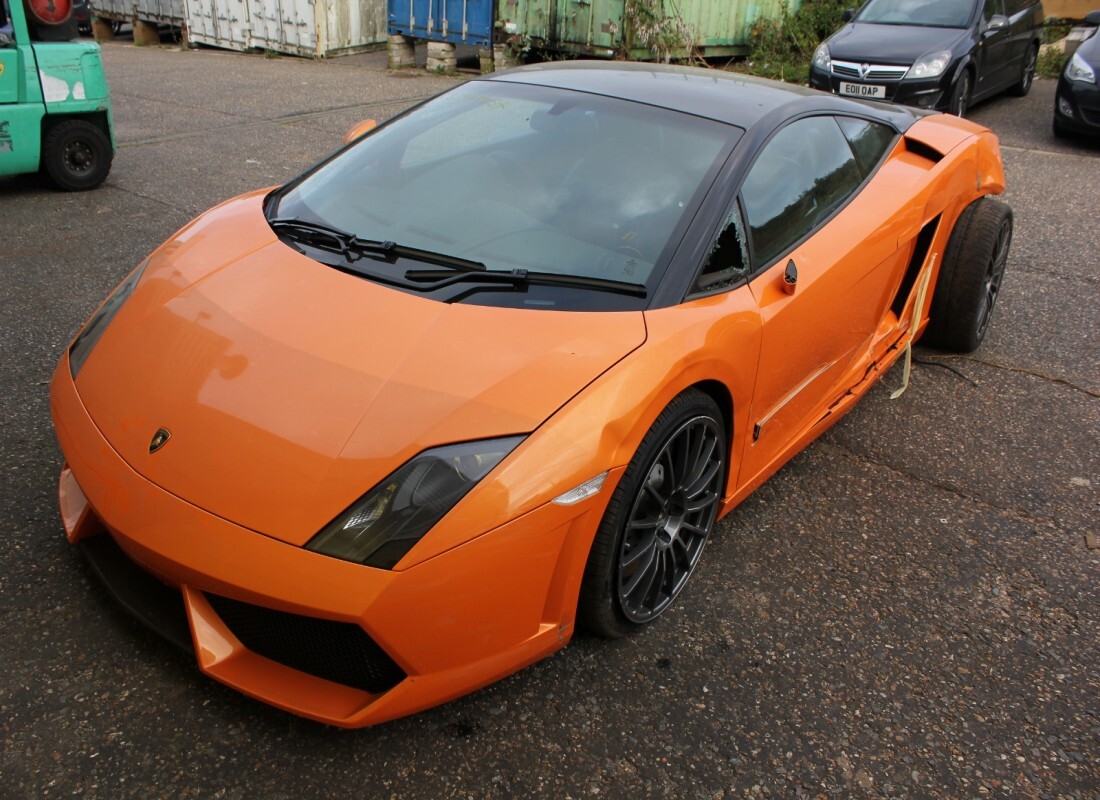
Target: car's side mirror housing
[(998, 22), (1092, 18), (847, 15), (360, 129)]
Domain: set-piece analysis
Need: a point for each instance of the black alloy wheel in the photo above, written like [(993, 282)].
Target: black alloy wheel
[(970, 278), (994, 274), (1027, 77), (658, 519)]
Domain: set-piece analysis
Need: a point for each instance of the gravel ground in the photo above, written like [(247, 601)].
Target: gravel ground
[(908, 609)]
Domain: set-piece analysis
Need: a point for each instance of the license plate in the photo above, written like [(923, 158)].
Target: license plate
[(863, 90)]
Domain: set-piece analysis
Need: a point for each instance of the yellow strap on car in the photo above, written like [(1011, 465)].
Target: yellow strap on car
[(914, 322)]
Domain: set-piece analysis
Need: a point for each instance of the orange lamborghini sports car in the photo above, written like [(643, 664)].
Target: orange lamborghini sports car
[(385, 434)]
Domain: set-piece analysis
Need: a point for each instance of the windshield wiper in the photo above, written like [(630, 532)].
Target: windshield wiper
[(432, 279), (352, 248)]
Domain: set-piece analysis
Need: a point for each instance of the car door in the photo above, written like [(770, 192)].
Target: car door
[(994, 55), (824, 273)]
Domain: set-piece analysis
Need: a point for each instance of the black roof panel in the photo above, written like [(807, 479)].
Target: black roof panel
[(728, 97)]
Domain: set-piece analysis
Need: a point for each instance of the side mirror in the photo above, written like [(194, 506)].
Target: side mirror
[(998, 22), (360, 129), (847, 15), (1092, 18)]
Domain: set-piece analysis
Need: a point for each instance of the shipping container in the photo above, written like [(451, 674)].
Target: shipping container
[(162, 12), (638, 29), (316, 28), (455, 21)]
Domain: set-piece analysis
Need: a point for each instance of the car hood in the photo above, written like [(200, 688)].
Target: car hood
[(290, 388), (890, 44)]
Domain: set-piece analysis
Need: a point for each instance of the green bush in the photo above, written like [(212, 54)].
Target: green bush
[(1055, 29), (1051, 62), (782, 48)]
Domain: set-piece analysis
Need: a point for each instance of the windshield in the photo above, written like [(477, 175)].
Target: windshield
[(520, 177), (923, 13)]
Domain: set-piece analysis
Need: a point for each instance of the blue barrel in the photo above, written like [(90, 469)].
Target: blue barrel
[(455, 21)]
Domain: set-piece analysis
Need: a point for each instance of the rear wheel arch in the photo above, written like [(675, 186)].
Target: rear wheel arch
[(970, 276)]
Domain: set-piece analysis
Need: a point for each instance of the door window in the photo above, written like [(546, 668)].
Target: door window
[(869, 140), (728, 261), (804, 174)]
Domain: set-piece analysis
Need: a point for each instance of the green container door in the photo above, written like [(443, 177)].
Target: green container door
[(722, 27), (592, 27), (597, 27)]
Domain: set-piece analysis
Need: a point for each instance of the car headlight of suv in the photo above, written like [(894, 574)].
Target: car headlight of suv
[(384, 524), (929, 65), (1079, 70), (822, 60), (86, 340)]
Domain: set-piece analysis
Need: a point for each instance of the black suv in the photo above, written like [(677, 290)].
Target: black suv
[(942, 54)]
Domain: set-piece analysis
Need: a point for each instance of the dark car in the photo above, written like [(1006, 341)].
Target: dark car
[(82, 13), (941, 54), (1077, 103)]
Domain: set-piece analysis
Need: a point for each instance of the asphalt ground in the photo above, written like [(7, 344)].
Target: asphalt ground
[(908, 609)]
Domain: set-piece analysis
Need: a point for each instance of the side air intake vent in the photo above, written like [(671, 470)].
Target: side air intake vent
[(923, 150), (920, 253)]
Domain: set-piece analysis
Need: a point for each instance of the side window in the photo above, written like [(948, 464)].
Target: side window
[(800, 177), (992, 8), (728, 261), (869, 141)]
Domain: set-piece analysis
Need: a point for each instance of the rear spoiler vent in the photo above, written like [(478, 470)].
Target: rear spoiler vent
[(923, 150), (920, 253)]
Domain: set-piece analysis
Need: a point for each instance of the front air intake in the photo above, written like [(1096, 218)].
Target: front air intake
[(336, 651)]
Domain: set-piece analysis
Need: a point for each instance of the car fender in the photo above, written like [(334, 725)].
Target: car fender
[(568, 449)]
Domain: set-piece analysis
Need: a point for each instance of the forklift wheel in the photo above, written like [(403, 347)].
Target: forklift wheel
[(76, 155)]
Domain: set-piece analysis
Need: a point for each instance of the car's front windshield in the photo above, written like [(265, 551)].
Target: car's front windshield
[(522, 177), (923, 13)]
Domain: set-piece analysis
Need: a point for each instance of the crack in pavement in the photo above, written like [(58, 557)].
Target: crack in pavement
[(287, 119), (1020, 516), (1017, 149), (150, 198), (1020, 370)]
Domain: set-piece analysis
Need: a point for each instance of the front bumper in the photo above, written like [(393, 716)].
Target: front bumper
[(933, 93), (1077, 106), (447, 626)]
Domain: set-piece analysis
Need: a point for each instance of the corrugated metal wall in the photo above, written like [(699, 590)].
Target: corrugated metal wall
[(169, 12), (457, 21), (600, 27), (297, 27)]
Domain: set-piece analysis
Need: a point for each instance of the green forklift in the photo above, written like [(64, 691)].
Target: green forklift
[(55, 113)]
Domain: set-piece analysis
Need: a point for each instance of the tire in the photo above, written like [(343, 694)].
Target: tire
[(1027, 77), (658, 519), (960, 95), (1060, 131), (970, 278), (76, 155)]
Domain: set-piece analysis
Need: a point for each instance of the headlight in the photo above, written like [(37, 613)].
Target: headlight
[(393, 516), (822, 59), (930, 65), (1079, 70), (82, 346)]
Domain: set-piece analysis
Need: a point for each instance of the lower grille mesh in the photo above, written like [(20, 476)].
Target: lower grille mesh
[(336, 651)]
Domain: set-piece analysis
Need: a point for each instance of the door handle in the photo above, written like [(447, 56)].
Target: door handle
[(790, 277)]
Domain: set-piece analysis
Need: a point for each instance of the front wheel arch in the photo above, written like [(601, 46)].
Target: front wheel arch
[(658, 518)]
